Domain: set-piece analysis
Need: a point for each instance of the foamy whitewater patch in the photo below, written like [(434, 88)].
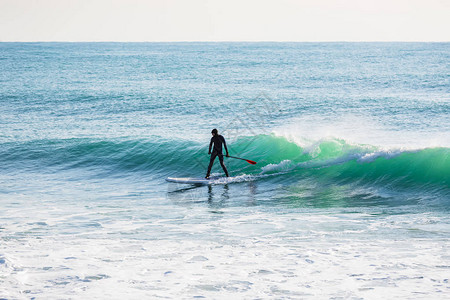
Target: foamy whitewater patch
[(241, 253), (234, 179), (388, 154), (283, 166), (359, 157)]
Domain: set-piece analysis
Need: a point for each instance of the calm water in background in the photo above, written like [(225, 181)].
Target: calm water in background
[(350, 197)]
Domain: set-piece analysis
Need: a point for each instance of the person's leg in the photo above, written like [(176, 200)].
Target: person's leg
[(211, 161), (222, 164)]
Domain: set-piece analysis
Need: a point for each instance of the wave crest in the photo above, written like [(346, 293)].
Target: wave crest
[(333, 159)]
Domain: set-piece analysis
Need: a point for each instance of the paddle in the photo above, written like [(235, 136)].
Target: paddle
[(247, 160)]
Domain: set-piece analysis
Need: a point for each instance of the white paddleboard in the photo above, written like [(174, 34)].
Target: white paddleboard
[(192, 180)]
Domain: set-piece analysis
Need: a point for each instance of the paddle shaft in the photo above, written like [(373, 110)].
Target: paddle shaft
[(247, 160)]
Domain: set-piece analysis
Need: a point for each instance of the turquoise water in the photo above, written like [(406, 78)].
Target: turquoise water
[(350, 197)]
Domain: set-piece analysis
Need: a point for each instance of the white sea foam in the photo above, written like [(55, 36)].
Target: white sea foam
[(284, 165), (233, 255), (388, 154), (233, 179)]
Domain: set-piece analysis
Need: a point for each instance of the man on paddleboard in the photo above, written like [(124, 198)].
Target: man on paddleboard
[(217, 140)]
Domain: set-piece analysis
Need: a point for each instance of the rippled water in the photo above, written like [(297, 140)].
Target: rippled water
[(350, 196)]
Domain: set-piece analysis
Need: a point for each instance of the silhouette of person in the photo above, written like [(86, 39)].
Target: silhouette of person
[(218, 141)]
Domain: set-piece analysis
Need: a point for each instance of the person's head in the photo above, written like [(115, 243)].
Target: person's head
[(214, 132)]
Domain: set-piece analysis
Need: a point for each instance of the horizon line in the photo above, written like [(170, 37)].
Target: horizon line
[(228, 41)]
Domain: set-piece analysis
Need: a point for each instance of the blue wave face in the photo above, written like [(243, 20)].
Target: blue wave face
[(333, 160)]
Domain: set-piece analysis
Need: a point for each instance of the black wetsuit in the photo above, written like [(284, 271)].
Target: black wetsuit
[(217, 140)]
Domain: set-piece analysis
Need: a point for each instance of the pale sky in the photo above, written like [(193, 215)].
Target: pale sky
[(227, 20)]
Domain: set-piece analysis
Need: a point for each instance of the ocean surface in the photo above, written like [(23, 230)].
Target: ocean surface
[(349, 199)]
